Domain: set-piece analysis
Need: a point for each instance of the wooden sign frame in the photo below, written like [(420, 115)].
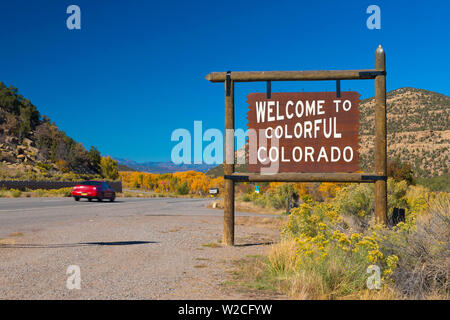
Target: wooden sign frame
[(379, 177)]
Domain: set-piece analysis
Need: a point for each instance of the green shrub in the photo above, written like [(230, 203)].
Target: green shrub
[(277, 197), (356, 202), (15, 193), (183, 188), (259, 199), (246, 197), (274, 197), (44, 166), (441, 183)]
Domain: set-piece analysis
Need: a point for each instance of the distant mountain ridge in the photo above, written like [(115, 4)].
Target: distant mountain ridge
[(162, 167)]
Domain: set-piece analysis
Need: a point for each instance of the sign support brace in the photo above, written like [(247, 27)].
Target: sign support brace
[(379, 177)]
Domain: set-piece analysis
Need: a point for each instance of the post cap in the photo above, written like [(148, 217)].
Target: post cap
[(380, 49)]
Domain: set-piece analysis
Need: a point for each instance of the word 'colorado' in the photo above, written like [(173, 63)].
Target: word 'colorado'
[(305, 120)]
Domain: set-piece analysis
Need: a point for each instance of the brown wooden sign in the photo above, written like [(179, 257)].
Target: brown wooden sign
[(304, 132)]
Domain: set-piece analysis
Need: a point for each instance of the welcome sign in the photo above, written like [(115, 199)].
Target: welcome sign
[(304, 131)]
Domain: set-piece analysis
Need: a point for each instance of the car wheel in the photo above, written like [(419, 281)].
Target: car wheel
[(112, 199), (89, 199), (77, 198), (100, 197)]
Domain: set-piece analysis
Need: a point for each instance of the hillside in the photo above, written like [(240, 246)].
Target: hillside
[(418, 124), (30, 142)]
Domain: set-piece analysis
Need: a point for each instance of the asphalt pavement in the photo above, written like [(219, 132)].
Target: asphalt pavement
[(34, 212), (134, 248)]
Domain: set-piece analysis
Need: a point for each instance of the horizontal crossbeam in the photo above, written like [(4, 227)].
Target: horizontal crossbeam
[(306, 177), (249, 76)]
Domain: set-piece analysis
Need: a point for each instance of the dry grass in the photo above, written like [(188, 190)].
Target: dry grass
[(424, 254), (136, 194), (14, 193), (282, 266), (16, 234), (262, 222), (278, 274), (244, 207), (250, 273), (211, 245), (7, 241), (281, 256)]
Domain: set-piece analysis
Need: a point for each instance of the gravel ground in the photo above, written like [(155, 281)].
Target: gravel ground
[(125, 254)]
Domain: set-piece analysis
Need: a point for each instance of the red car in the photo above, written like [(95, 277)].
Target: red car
[(93, 190)]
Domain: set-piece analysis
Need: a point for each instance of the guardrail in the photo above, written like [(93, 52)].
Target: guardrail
[(32, 185)]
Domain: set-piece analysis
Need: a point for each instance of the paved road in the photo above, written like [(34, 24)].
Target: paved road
[(33, 212), (140, 248)]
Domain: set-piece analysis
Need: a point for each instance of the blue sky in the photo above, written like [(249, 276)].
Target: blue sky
[(135, 71)]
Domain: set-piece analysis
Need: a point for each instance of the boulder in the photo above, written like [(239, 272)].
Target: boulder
[(28, 142)]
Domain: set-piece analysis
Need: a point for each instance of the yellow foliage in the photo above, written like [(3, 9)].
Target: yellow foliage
[(301, 189), (169, 182), (62, 166), (329, 189)]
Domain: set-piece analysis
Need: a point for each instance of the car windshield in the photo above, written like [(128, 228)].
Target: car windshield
[(90, 183)]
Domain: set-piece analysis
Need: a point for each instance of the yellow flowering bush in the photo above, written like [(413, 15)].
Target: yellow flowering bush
[(327, 248), (329, 253)]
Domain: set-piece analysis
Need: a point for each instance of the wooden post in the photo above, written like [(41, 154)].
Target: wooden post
[(380, 138), (228, 222)]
